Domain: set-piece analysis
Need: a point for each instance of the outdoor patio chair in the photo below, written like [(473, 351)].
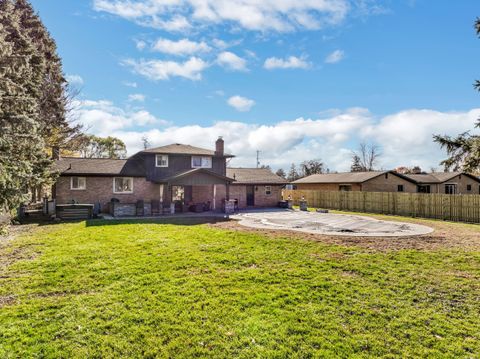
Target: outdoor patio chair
[(140, 208)]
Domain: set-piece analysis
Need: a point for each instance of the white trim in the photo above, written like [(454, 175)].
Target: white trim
[(126, 192), (156, 160), (455, 187), (201, 161), (268, 189), (80, 188)]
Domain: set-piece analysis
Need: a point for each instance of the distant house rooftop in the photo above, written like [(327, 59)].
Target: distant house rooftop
[(437, 177), (254, 176), (345, 177)]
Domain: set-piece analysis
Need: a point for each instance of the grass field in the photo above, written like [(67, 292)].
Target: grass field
[(144, 289)]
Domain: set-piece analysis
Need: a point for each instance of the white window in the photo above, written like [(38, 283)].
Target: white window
[(268, 190), (122, 185), (201, 162), (450, 189), (78, 183), (161, 160)]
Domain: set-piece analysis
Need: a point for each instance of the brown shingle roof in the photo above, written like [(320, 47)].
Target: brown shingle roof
[(347, 177), (100, 166), (254, 176), (178, 148), (437, 177)]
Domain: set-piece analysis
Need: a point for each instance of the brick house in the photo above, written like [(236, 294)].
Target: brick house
[(255, 187), (391, 181), (191, 178), (446, 182)]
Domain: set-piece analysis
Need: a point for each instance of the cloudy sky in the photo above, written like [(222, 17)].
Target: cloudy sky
[(294, 79)]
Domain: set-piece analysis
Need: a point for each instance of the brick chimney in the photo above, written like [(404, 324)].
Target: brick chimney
[(219, 146)]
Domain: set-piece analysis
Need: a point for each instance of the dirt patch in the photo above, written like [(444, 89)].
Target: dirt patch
[(446, 236)]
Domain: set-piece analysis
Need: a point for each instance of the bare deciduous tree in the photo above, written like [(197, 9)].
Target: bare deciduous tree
[(368, 154)]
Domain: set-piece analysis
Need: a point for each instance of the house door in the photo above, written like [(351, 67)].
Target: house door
[(250, 195)]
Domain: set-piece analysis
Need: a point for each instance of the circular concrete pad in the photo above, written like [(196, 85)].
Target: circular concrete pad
[(329, 224)]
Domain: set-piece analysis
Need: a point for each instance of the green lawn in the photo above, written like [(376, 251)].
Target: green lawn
[(162, 290)]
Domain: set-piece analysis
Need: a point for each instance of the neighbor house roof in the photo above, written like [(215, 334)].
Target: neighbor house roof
[(100, 167), (346, 177), (178, 148), (438, 177), (254, 176)]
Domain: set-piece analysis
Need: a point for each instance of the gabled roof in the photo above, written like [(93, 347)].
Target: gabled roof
[(346, 177), (254, 176), (100, 166), (196, 171), (438, 177), (178, 148)]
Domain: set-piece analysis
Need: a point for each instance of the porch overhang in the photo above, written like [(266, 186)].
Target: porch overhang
[(197, 177)]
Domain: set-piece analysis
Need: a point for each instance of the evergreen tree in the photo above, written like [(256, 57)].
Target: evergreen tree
[(281, 173), (54, 97), (293, 174), (22, 156), (356, 164)]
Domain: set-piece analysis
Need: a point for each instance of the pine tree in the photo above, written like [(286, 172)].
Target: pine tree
[(54, 97), (293, 174), (356, 164), (281, 173), (21, 145)]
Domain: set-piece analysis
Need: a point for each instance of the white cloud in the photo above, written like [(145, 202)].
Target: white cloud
[(405, 137), (136, 97), (158, 70), (140, 44), (103, 117), (291, 62), (231, 61), (335, 56), (74, 80), (268, 15), (240, 103), (181, 47), (130, 84)]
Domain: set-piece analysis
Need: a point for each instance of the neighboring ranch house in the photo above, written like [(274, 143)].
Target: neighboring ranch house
[(446, 182), (192, 178), (386, 181), (390, 181)]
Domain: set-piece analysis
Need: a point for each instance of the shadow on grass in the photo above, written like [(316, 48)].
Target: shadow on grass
[(186, 221)]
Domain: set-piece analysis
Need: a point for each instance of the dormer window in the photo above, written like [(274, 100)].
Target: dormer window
[(201, 162), (161, 160)]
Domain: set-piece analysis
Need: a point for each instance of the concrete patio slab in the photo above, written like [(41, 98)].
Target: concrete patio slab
[(328, 223)]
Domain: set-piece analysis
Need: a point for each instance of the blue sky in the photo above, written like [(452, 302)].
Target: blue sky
[(294, 79)]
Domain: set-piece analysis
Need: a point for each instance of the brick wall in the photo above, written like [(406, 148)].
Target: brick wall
[(325, 186), (239, 192), (461, 182), (388, 184), (100, 189)]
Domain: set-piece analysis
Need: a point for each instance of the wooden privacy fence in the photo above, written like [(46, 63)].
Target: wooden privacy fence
[(459, 208)]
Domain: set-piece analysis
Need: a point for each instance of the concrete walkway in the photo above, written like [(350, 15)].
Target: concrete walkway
[(328, 223)]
